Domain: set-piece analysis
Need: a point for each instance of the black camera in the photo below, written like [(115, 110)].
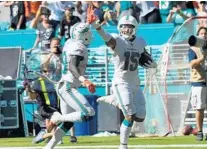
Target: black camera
[(58, 49), (197, 42)]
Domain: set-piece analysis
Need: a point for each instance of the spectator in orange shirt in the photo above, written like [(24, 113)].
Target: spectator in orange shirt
[(45, 31), (31, 8)]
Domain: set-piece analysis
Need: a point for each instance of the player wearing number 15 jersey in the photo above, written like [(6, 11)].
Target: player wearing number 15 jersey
[(126, 59), (128, 52)]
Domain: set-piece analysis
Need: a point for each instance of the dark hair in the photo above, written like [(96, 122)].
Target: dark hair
[(45, 11), (70, 8), (205, 28), (204, 2)]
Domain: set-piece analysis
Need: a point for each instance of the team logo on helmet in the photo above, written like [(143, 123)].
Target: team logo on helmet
[(81, 32), (127, 26)]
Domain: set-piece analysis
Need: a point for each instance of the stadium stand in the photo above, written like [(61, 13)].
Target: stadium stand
[(25, 39)]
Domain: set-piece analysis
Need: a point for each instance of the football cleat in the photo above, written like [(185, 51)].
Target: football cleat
[(60, 142), (199, 136), (110, 99), (73, 139), (39, 138)]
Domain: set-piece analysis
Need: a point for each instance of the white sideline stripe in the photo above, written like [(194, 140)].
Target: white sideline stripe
[(116, 146)]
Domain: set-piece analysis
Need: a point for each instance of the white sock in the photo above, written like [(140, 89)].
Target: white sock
[(72, 117), (58, 135), (125, 130)]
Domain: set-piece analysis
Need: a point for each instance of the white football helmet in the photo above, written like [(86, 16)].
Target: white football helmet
[(127, 26), (81, 32)]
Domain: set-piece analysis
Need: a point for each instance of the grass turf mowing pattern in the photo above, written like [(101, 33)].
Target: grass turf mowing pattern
[(95, 141)]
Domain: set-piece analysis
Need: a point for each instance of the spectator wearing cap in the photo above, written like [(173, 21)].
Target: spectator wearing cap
[(57, 9), (79, 12), (68, 21), (45, 31), (179, 13)]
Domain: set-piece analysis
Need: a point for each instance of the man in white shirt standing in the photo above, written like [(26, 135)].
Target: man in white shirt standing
[(57, 9)]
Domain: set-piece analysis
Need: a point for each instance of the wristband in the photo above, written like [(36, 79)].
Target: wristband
[(81, 78)]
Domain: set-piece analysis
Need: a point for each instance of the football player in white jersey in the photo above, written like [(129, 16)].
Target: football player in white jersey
[(128, 52), (74, 106)]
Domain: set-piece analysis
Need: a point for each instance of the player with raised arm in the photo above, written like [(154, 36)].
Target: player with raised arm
[(74, 106), (128, 52)]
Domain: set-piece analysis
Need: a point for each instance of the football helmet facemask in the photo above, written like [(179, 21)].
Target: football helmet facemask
[(127, 26)]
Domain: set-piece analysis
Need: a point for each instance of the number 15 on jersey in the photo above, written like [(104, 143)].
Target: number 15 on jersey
[(131, 60)]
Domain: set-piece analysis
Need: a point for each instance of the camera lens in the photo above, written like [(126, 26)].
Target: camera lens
[(192, 40), (197, 41)]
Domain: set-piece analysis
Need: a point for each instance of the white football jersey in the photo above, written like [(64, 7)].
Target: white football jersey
[(73, 47), (126, 59)]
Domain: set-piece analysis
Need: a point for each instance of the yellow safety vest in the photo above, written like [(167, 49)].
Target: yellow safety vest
[(45, 93)]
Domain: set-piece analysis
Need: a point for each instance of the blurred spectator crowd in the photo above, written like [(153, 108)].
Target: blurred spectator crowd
[(52, 18)]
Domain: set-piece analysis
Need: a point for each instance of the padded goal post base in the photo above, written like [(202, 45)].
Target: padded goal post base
[(12, 119)]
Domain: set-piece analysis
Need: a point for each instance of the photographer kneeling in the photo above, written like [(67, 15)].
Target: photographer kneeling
[(197, 57)]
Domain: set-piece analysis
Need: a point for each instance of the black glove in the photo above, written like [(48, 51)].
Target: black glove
[(146, 61)]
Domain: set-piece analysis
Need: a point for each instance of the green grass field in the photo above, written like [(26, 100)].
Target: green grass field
[(94, 142)]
